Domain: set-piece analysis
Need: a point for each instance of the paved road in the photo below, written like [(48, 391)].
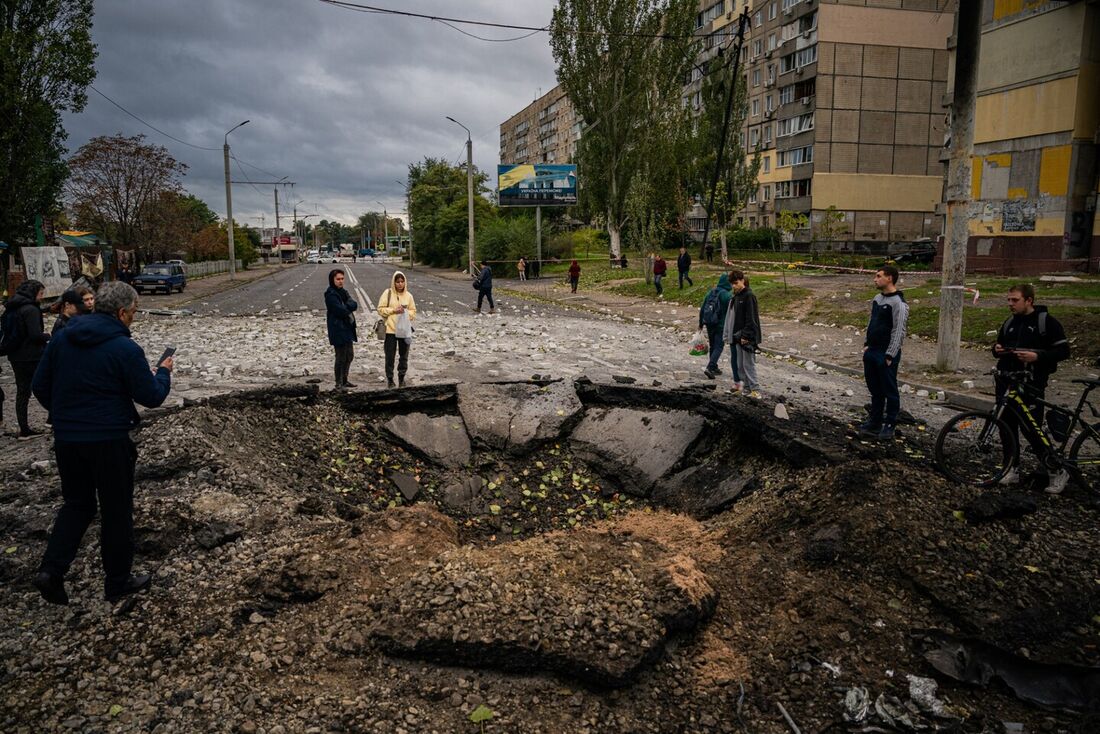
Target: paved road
[(304, 286)]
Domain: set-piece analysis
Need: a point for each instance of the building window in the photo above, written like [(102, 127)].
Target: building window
[(798, 59), (795, 156), (792, 189), (752, 197), (786, 94), (710, 13), (757, 47), (767, 135), (756, 107), (788, 4), (756, 77), (771, 42), (769, 103), (772, 11), (758, 19), (796, 124), (754, 137), (766, 167)]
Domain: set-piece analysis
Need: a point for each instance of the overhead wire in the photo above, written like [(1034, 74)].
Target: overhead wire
[(146, 124)]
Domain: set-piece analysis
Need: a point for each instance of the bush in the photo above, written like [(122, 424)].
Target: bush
[(580, 243), (503, 240), (764, 238)]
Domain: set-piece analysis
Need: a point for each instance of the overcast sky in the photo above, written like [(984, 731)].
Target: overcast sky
[(341, 102)]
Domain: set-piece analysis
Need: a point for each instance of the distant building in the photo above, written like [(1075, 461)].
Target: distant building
[(545, 131), (1036, 130), (846, 106)]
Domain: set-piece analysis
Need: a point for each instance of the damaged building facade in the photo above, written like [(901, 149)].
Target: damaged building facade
[(1037, 125)]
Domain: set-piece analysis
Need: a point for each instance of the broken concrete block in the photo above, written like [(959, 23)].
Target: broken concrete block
[(441, 439)]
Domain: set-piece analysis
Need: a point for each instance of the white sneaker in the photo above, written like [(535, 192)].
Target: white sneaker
[(1012, 477), (1058, 482)]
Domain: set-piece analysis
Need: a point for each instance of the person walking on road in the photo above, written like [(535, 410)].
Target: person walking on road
[(712, 317), (660, 267), (882, 354), (683, 267), (395, 301), (484, 285), (521, 266), (25, 340), (1030, 340), (89, 379), (340, 318), (709, 250), (743, 333), (574, 275)]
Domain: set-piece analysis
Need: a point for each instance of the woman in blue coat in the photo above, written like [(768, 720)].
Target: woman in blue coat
[(341, 325)]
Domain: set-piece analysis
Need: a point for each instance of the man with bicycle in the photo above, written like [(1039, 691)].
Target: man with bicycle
[(1029, 340)]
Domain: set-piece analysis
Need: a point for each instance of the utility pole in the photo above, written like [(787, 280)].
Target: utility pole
[(385, 234), (538, 239), (229, 204), (968, 39), (409, 218), (469, 188)]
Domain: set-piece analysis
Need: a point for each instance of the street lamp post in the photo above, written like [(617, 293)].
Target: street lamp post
[(229, 203), (469, 187), (409, 216), (385, 233)]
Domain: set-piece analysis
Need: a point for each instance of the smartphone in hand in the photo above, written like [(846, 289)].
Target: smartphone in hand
[(167, 353)]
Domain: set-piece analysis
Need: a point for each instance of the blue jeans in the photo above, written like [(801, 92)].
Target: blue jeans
[(882, 383), (714, 333), (684, 276), (657, 282)]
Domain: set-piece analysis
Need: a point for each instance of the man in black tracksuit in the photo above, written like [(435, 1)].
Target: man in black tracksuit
[(683, 267), (882, 353), (1030, 340)]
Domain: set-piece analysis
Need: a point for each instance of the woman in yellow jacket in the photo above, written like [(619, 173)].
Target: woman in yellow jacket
[(393, 302)]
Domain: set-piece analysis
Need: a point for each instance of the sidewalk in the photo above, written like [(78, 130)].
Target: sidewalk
[(209, 286)]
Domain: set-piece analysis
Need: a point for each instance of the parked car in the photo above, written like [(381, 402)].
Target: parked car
[(367, 252), (164, 277), (313, 257), (327, 257)]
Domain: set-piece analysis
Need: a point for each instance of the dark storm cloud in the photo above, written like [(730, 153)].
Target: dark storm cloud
[(341, 102)]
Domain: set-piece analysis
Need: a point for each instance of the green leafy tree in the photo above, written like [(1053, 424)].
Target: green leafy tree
[(621, 62), (833, 224), (46, 62), (507, 238), (439, 211), (788, 222), (740, 168)]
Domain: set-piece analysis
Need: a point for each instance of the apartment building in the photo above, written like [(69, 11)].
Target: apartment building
[(1036, 134), (545, 131), (846, 107)]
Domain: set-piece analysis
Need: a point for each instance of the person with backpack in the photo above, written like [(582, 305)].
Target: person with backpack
[(683, 267), (712, 317), (743, 333), (1030, 340), (484, 286), (395, 301), (340, 320), (23, 342), (574, 275)]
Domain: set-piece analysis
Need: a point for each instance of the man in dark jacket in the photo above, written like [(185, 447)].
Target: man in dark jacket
[(26, 339), (882, 353), (683, 267), (340, 319), (723, 291), (485, 286), (743, 333), (1032, 341), (89, 379)]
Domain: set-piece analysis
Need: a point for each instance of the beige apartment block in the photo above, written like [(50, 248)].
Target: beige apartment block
[(545, 131), (846, 107), (1036, 133)]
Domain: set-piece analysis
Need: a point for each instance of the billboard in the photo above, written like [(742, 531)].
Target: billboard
[(538, 184)]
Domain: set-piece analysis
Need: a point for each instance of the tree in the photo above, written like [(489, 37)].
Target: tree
[(173, 221), (737, 180), (788, 222), (46, 62), (211, 243), (437, 198), (621, 62), (115, 185), (832, 225)]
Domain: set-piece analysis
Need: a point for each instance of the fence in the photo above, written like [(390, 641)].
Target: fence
[(208, 267)]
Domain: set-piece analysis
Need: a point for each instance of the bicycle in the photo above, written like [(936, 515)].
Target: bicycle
[(979, 448)]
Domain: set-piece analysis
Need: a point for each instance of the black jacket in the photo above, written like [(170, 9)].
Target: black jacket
[(683, 263), (743, 319), (1023, 332), (340, 316), (888, 323), (23, 316)]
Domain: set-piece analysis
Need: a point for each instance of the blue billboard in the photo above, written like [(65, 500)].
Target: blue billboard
[(537, 184)]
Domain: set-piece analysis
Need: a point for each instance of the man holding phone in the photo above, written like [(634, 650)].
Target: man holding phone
[(89, 379), (1030, 340)]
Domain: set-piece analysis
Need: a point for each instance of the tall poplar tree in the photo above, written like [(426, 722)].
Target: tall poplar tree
[(622, 64)]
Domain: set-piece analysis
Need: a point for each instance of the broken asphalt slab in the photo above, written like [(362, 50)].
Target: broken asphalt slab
[(517, 417), (441, 439)]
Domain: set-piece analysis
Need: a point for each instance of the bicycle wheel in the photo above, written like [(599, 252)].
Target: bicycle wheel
[(1085, 454), (975, 448)]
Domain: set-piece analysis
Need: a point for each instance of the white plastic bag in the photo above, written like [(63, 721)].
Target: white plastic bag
[(403, 329), (699, 344)]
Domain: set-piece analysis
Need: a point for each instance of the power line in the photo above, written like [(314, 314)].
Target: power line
[(146, 124), (246, 178)]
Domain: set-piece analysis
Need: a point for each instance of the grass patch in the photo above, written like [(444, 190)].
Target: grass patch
[(770, 292), (995, 288)]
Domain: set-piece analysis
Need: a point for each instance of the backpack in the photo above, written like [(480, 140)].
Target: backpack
[(712, 308), (10, 333)]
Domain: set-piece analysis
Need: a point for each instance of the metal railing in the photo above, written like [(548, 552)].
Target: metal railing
[(207, 267)]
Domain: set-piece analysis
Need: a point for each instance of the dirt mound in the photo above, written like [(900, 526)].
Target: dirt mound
[(597, 605)]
